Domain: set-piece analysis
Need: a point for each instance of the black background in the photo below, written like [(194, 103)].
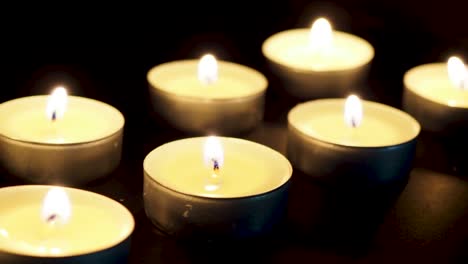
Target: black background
[(104, 52)]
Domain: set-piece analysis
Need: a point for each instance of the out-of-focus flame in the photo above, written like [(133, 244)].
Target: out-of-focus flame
[(208, 69), (457, 72), (321, 35)]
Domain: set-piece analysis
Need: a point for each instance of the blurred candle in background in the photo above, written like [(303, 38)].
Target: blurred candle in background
[(208, 95), (318, 62), (436, 94)]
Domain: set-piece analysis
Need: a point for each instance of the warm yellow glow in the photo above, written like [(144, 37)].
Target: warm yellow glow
[(57, 104), (4, 233), (208, 69), (457, 72), (353, 111), (56, 208), (321, 35)]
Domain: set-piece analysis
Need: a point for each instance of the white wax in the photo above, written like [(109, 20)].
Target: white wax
[(249, 168), (96, 223), (381, 125), (85, 120), (180, 78), (432, 82), (291, 48)]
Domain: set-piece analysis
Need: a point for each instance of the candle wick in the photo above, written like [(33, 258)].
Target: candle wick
[(353, 122), (51, 218), (209, 80), (54, 115), (215, 165)]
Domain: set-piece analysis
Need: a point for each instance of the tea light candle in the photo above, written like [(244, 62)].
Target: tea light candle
[(208, 96), (318, 62), (47, 224), (352, 141), (59, 138), (214, 186), (436, 94)]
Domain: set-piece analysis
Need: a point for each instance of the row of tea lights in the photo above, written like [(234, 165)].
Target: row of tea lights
[(222, 185)]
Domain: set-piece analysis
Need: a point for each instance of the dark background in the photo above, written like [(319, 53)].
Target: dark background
[(104, 52)]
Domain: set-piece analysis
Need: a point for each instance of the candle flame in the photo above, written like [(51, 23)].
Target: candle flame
[(57, 104), (321, 35), (457, 72), (208, 69), (353, 111), (56, 208), (213, 154)]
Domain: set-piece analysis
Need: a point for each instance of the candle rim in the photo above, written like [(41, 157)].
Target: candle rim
[(409, 84), (285, 179), (401, 113), (54, 144), (73, 143), (116, 205), (336, 33), (251, 71), (225, 198)]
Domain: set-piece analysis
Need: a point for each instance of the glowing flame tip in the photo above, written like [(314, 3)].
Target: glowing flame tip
[(57, 104), (321, 35), (208, 69), (457, 72)]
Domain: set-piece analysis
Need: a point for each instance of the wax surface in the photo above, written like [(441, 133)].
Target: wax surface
[(248, 169), (432, 82), (180, 78), (381, 125), (85, 120), (292, 49), (96, 223)]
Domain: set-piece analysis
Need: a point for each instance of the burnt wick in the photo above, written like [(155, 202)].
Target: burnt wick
[(54, 115), (215, 165), (52, 218)]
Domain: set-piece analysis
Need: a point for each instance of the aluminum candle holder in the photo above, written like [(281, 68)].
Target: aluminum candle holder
[(115, 255), (74, 165), (224, 117), (188, 216), (309, 84), (176, 205)]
